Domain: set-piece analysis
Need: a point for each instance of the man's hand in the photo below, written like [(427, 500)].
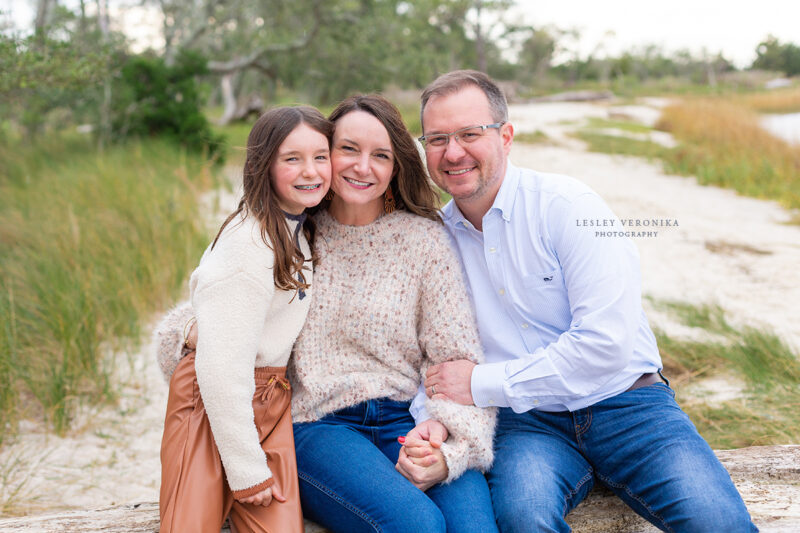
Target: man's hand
[(451, 380), (432, 467), (265, 497)]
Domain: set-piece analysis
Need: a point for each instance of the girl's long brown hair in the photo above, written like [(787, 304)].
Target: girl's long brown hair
[(259, 200), (410, 185)]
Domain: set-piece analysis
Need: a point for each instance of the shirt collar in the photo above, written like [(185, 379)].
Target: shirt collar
[(503, 202)]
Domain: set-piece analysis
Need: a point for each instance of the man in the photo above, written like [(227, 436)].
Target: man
[(570, 358)]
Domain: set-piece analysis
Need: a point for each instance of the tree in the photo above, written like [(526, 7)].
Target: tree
[(324, 50), (239, 35), (536, 54), (774, 55)]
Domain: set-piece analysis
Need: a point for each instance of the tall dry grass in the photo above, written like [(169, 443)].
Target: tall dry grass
[(775, 101), (91, 244), (722, 143)]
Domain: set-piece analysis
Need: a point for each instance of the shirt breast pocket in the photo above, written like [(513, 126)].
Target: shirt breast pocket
[(545, 299), (545, 280)]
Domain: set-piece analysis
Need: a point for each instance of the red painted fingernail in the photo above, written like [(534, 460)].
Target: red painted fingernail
[(401, 440)]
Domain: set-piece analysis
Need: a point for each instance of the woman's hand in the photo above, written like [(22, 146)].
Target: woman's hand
[(265, 497), (421, 463)]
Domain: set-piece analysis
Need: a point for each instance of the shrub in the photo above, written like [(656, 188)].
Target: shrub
[(152, 98)]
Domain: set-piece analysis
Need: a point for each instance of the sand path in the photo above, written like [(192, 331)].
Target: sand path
[(725, 249)]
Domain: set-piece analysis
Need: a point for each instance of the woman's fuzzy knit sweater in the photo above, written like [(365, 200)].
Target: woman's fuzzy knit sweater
[(389, 301)]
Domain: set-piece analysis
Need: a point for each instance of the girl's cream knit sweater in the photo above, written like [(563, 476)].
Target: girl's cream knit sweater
[(243, 322)]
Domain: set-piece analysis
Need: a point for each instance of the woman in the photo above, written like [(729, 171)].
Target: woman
[(388, 302)]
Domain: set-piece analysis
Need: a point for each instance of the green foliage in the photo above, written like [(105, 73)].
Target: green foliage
[(39, 75), (371, 45), (774, 55), (91, 246), (154, 99), (537, 54)]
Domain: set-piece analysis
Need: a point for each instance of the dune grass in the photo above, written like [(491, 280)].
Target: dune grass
[(766, 414), (531, 137), (776, 101), (722, 143), (623, 125), (619, 145), (91, 245)]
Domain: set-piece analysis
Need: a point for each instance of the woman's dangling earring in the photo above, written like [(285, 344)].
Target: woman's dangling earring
[(329, 195), (388, 201)]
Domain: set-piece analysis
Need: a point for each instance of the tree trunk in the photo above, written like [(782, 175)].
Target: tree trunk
[(40, 23), (480, 46), (228, 91), (105, 107)]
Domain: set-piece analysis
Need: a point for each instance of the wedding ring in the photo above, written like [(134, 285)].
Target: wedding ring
[(433, 390)]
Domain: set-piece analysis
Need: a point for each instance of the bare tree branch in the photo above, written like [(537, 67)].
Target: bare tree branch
[(255, 58)]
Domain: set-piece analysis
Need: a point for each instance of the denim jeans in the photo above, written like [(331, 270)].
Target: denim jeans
[(348, 481), (639, 443)]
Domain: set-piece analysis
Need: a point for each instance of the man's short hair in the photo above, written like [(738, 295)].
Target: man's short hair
[(456, 80)]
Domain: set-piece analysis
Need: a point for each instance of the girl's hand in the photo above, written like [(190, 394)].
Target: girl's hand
[(265, 496), (191, 338)]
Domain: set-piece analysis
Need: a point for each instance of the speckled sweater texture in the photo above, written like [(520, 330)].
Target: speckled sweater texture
[(389, 301)]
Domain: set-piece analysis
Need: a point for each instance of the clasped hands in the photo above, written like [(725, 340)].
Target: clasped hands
[(421, 460)]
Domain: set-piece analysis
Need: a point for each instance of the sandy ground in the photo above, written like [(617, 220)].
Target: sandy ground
[(719, 248)]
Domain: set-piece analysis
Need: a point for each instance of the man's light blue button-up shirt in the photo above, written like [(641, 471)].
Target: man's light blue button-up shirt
[(556, 294)]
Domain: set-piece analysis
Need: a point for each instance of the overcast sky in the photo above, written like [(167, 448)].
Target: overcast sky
[(733, 27)]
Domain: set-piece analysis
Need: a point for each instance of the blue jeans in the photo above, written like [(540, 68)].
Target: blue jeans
[(639, 443), (348, 483)]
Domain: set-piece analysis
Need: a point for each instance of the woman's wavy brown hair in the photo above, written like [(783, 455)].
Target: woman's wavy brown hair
[(410, 185), (259, 200)]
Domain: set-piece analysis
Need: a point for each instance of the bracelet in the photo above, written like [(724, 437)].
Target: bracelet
[(186, 330)]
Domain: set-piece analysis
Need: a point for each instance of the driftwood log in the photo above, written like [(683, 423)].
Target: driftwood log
[(768, 477)]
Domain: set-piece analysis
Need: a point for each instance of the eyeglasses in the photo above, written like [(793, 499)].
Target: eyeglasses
[(439, 141)]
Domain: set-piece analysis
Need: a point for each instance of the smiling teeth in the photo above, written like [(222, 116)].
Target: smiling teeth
[(458, 172), (307, 187), (356, 182)]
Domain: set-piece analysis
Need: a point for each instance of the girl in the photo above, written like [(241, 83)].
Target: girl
[(229, 404)]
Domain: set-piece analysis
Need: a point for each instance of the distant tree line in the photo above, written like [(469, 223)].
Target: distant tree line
[(73, 69)]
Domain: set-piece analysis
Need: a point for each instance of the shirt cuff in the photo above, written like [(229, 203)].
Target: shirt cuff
[(487, 385), (417, 408)]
